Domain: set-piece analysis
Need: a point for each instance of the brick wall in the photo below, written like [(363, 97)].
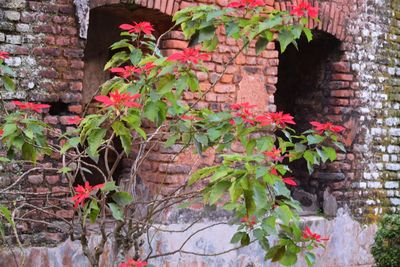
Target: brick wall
[(362, 90)]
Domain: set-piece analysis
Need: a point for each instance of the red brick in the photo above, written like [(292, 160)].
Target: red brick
[(75, 109), (342, 77), (341, 66), (342, 93), (76, 86), (53, 179)]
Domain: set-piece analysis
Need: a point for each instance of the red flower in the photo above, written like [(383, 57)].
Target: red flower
[(246, 3), (322, 127), (289, 181), (83, 193), (190, 118), (1, 132), (250, 222), (148, 66), (275, 154), (245, 105), (74, 120), (273, 171), (4, 55), (32, 106), (133, 263), (127, 71), (281, 119), (303, 7), (144, 27), (307, 234), (118, 100), (189, 55)]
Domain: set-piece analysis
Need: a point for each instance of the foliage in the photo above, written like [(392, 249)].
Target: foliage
[(386, 249), (149, 87)]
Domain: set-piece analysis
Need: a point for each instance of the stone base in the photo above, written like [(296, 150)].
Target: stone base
[(349, 245)]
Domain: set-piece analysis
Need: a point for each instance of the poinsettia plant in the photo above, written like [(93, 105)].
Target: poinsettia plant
[(142, 105)]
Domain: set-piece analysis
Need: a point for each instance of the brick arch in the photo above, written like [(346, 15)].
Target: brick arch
[(167, 7), (333, 15)]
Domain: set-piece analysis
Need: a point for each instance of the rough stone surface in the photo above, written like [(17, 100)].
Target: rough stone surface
[(349, 244)]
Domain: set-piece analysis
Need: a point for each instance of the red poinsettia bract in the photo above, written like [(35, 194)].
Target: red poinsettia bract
[(133, 263), (30, 106), (74, 120), (275, 154), (304, 7), (190, 118), (246, 3), (126, 72), (144, 27), (1, 132), (289, 181), (322, 127), (249, 221), (4, 55), (82, 193), (192, 55), (278, 118), (118, 100), (307, 234)]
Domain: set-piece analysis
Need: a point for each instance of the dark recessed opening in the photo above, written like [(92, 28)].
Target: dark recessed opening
[(303, 91), (59, 109), (104, 31)]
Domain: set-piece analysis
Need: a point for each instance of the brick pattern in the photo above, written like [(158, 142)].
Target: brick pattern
[(42, 37)]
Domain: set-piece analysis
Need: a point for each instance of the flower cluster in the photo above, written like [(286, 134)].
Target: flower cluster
[(307, 234), (30, 106), (118, 100), (133, 263), (82, 193), (322, 127), (246, 3), (3, 55), (303, 7), (189, 55), (278, 118), (142, 27), (126, 72)]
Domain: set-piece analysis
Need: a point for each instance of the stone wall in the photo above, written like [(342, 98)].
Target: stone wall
[(48, 53)]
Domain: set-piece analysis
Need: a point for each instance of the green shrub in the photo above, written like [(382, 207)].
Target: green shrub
[(386, 249)]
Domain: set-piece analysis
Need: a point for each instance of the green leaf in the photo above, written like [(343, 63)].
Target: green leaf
[(4, 211), (213, 134), (288, 259), (323, 155), (340, 146), (206, 33), (285, 37), (28, 152), (155, 111), (171, 140), (109, 186), (314, 139), (202, 173), (116, 60), (64, 170), (218, 190), (116, 212), (136, 56), (308, 34), (310, 258), (9, 84), (330, 152), (260, 45), (122, 198), (237, 237), (284, 214), (269, 225), (245, 241), (235, 190), (95, 139), (94, 211), (202, 139)]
